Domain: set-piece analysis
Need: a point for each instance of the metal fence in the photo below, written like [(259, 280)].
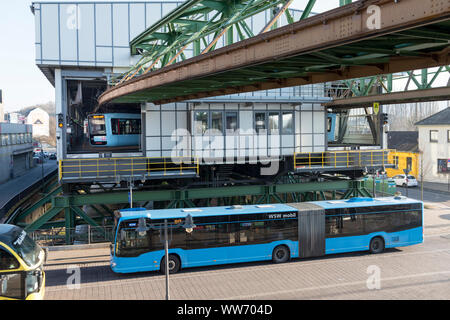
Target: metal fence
[(121, 168), (81, 234), (343, 159)]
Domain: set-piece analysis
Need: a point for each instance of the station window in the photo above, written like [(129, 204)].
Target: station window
[(231, 122), (260, 121), (201, 122), (217, 121), (274, 122), (288, 123)]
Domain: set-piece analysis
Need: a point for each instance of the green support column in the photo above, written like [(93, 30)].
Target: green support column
[(229, 37), (69, 224), (344, 2)]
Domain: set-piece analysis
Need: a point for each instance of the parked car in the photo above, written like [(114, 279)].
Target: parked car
[(405, 181), (52, 156)]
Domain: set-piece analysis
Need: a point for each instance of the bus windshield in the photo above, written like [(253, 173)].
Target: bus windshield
[(97, 125), (26, 248)]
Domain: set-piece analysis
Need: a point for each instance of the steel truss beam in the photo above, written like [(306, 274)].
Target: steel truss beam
[(311, 39), (294, 191), (193, 23)]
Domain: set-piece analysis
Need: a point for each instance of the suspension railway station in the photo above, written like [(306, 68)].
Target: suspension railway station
[(205, 103)]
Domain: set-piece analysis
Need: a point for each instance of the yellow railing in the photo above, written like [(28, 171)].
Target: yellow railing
[(132, 166), (343, 159)]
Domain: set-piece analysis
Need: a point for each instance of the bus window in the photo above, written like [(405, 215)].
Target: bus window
[(351, 222), (8, 261), (132, 244)]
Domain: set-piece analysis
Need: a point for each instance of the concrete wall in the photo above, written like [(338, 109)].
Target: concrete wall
[(15, 143)]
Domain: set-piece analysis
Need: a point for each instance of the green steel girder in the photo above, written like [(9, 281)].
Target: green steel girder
[(70, 204), (423, 79), (195, 20), (44, 200), (192, 23)]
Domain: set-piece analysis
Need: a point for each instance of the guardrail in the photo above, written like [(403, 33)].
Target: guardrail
[(123, 168), (343, 159), (82, 234)]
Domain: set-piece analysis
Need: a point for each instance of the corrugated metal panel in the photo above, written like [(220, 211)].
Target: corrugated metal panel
[(311, 229)]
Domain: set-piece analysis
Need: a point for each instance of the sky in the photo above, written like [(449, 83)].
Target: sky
[(21, 81)]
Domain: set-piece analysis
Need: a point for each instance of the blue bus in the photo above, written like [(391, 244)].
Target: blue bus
[(114, 129), (275, 232)]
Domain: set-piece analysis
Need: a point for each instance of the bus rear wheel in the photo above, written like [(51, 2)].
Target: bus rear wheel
[(376, 245), (174, 264), (280, 254)]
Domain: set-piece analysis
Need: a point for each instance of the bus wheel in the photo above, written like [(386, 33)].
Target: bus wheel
[(174, 264), (376, 245), (280, 254)]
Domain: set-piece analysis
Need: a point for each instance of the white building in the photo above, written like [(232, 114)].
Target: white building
[(2, 114), (434, 145), (40, 121), (79, 45)]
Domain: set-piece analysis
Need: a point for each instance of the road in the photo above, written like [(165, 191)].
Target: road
[(417, 272)]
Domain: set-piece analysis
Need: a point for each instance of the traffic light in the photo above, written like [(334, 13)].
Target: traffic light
[(60, 120), (384, 118)]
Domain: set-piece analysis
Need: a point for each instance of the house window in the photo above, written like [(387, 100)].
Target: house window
[(443, 166), (434, 135), (409, 163), (448, 135)]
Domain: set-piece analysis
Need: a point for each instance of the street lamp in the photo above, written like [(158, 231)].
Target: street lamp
[(188, 227)]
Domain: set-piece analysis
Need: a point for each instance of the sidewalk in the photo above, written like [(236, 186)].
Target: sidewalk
[(11, 188)]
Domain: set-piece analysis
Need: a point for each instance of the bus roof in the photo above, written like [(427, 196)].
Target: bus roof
[(203, 212), (136, 213), (364, 202)]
